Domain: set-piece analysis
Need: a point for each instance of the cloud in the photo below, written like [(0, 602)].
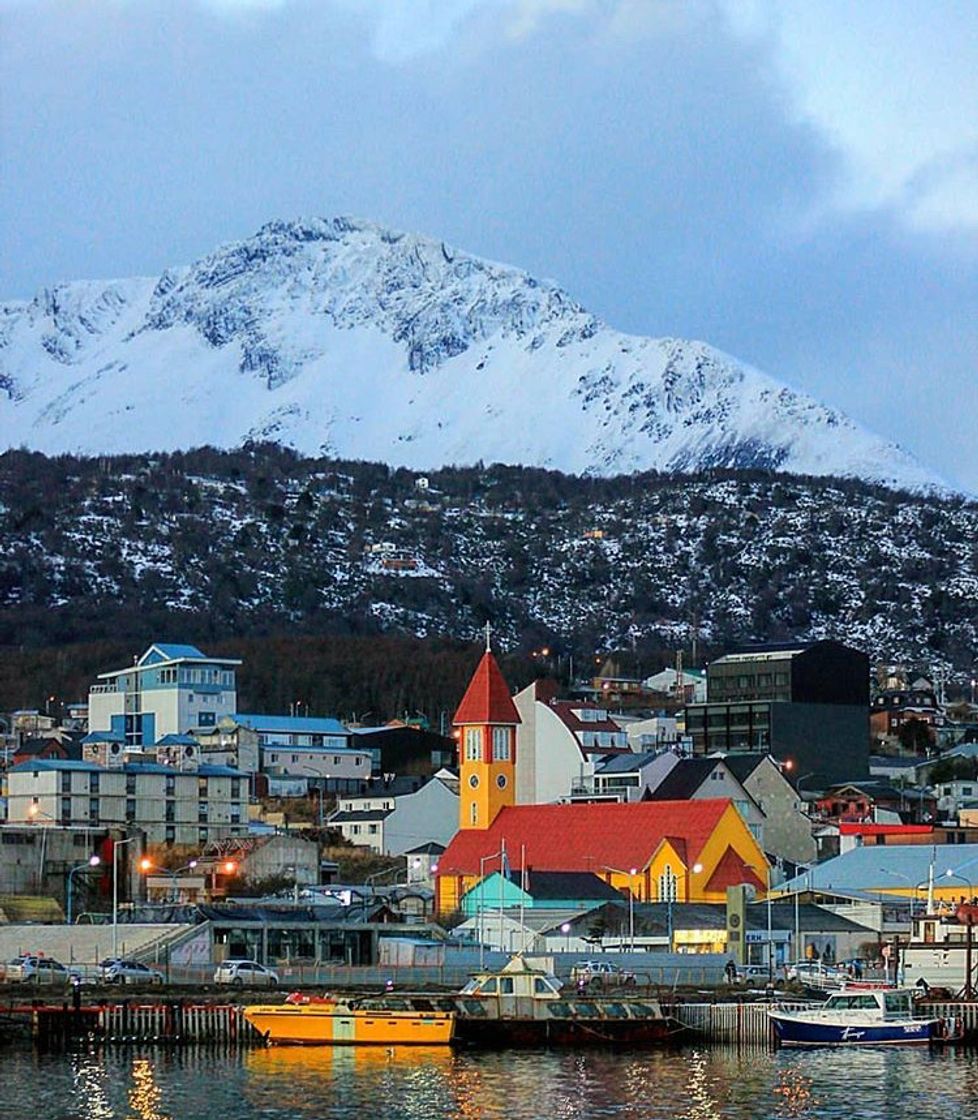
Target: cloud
[(667, 166), (890, 85)]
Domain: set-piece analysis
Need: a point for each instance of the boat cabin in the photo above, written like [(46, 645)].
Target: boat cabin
[(517, 978), (887, 1003)]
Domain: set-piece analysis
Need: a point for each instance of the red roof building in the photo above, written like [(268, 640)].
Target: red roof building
[(684, 850)]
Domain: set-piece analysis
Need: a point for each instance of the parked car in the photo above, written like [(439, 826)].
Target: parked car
[(39, 970), (600, 974), (245, 974), (119, 971), (756, 974), (815, 974)]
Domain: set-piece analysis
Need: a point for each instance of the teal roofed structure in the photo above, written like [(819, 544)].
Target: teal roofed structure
[(540, 890)]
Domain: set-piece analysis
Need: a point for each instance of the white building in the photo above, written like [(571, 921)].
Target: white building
[(559, 743), (400, 815), (170, 690), (187, 805)]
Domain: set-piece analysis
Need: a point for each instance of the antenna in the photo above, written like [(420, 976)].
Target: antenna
[(488, 637)]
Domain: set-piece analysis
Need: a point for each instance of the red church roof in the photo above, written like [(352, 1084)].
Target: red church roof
[(487, 699), (586, 837)]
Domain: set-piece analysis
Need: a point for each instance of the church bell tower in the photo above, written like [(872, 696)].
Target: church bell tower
[(485, 728)]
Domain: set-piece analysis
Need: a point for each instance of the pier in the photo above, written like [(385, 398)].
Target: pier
[(64, 1026)]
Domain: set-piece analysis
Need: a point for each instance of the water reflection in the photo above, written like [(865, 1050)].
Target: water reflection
[(407, 1083), (90, 1088), (145, 1094)]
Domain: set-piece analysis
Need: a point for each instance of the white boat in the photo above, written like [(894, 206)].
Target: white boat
[(862, 1017)]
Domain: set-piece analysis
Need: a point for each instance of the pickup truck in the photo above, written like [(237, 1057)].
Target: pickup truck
[(600, 974)]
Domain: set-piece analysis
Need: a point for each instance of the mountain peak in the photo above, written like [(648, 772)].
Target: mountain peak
[(339, 336)]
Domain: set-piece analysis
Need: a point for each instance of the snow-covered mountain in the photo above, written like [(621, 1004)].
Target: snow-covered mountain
[(340, 337)]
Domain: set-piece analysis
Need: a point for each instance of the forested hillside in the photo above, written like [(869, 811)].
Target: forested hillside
[(222, 547)]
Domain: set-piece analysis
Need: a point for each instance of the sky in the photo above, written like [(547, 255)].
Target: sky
[(795, 182)]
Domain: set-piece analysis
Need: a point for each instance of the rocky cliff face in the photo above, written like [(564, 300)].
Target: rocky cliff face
[(340, 337)]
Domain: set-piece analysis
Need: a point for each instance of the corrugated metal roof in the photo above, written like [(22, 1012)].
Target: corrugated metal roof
[(297, 725), (888, 868)]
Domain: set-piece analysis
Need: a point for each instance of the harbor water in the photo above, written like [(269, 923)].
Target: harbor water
[(418, 1084)]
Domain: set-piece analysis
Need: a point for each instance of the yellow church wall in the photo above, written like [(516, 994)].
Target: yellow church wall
[(731, 831)]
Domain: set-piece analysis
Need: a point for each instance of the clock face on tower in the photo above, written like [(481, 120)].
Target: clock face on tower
[(474, 781), (501, 781)]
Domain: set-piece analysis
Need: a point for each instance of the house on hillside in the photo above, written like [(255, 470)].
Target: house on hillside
[(787, 827), (52, 744), (186, 805), (395, 816), (559, 743), (893, 708), (699, 779), (628, 777)]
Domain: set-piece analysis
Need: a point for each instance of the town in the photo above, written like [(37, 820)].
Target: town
[(786, 808)]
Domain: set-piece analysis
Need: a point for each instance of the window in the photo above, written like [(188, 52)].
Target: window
[(170, 811), (372, 829), (202, 813), (171, 784), (65, 781), (473, 744), (65, 810), (500, 744), (130, 784), (93, 808), (235, 789), (130, 808), (205, 719), (170, 834), (473, 813), (93, 782), (667, 885)]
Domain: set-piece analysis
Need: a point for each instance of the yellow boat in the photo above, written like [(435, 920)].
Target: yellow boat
[(312, 1021)]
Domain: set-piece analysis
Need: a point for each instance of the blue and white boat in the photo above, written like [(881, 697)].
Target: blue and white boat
[(861, 1017)]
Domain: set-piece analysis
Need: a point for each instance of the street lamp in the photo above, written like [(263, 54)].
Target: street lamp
[(968, 986), (34, 811), (480, 924), (952, 874), (116, 845), (146, 865), (631, 901), (914, 887), (92, 861)]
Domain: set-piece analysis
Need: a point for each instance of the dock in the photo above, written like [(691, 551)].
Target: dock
[(56, 1027)]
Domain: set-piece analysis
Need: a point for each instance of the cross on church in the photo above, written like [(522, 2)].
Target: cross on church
[(488, 636)]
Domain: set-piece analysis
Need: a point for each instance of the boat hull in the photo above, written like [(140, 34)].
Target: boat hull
[(565, 1032), (794, 1030), (314, 1025)]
